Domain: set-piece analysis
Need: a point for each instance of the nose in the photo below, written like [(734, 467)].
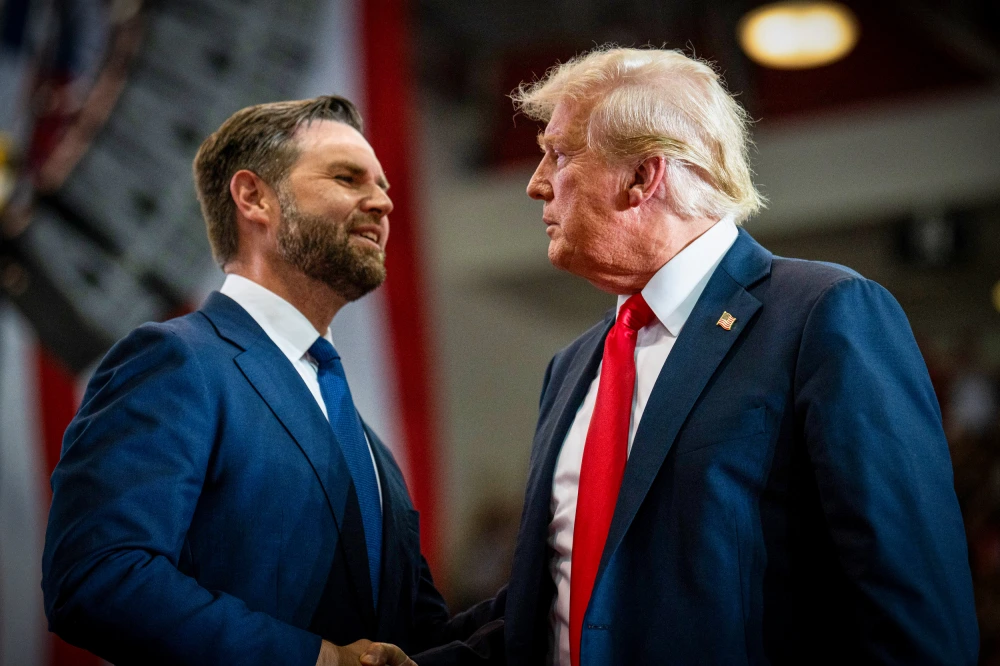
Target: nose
[(539, 187), (378, 203)]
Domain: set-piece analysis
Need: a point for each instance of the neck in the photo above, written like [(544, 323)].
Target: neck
[(669, 236), (314, 299)]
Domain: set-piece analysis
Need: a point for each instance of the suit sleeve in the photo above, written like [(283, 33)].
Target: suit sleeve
[(872, 428), (133, 465), (473, 637)]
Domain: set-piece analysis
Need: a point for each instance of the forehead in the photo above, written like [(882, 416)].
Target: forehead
[(568, 124), (329, 140)]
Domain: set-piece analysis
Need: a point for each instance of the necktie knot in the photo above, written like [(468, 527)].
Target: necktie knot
[(635, 313), (324, 352)]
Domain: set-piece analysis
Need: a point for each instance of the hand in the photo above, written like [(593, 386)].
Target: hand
[(347, 655), (385, 654), (364, 652)]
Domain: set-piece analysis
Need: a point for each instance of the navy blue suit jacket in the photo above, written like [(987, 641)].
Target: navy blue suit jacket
[(788, 498), (202, 512)]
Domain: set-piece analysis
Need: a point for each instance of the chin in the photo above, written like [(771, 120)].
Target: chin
[(558, 256), (566, 259), (581, 266)]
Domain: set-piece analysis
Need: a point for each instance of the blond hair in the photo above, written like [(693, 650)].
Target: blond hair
[(655, 102), (258, 138)]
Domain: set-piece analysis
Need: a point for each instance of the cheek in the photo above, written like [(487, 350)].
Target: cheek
[(589, 220)]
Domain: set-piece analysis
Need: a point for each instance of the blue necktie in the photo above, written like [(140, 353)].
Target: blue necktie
[(347, 427)]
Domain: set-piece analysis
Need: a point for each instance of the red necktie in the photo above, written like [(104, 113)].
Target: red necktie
[(604, 456)]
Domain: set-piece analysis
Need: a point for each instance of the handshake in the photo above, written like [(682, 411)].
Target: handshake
[(362, 652)]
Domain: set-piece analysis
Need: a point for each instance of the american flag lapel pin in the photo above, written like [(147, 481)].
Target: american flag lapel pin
[(726, 321)]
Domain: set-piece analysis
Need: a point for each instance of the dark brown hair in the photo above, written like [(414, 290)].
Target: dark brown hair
[(260, 139)]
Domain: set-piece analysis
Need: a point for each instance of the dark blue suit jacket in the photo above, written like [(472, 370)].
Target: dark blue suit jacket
[(788, 498), (202, 512)]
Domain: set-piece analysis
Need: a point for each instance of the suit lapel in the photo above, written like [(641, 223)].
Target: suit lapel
[(282, 389), (291, 403), (700, 348)]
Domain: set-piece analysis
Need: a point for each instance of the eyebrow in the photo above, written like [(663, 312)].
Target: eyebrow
[(357, 170), (546, 141)]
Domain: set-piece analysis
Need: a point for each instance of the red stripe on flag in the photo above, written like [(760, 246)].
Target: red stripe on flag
[(57, 405), (388, 107)]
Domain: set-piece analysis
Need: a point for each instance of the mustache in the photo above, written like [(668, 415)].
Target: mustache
[(357, 220)]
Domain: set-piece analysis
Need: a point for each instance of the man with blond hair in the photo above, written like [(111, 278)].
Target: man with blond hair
[(743, 463), (219, 500)]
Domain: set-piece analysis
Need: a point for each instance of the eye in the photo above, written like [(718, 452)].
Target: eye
[(344, 178)]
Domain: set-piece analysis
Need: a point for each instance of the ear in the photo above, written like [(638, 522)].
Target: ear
[(646, 180), (255, 200)]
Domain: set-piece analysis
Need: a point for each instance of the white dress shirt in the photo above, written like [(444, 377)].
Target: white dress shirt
[(290, 331), (671, 294)]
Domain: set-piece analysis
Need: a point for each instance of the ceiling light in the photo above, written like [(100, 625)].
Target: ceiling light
[(798, 35)]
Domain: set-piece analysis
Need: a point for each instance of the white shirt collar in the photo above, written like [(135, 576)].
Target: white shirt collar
[(282, 322), (674, 290)]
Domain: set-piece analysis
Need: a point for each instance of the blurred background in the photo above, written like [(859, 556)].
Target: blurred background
[(877, 140)]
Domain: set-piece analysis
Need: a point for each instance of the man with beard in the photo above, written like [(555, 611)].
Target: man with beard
[(219, 500)]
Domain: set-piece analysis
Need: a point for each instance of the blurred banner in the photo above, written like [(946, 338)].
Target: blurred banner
[(104, 105)]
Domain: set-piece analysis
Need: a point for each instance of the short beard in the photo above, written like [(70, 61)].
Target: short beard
[(322, 250)]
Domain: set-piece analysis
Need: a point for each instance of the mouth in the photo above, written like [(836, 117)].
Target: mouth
[(368, 234), (550, 226)]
